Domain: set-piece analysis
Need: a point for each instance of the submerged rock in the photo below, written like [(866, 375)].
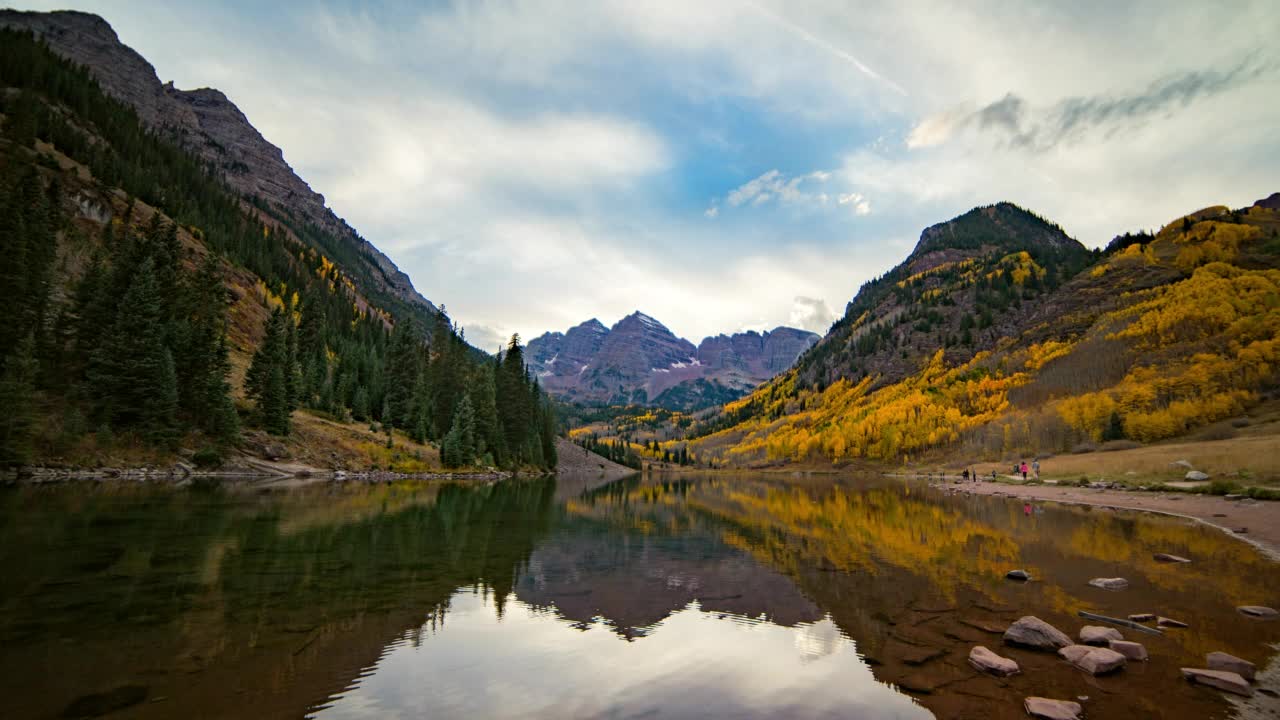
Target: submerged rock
[(1032, 632), (1130, 650), (1093, 660), (984, 660), (1098, 635), (1166, 557), (106, 702), (1110, 583), (1046, 709), (1230, 663), (1165, 622), (1142, 617), (1220, 679), (1258, 611), (1018, 575)]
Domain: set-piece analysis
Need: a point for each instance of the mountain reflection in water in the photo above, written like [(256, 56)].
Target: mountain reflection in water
[(718, 596)]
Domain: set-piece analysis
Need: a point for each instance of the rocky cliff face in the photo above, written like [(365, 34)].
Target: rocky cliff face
[(207, 123), (640, 360)]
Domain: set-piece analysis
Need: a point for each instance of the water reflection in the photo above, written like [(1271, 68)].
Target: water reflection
[(522, 663), (716, 596)]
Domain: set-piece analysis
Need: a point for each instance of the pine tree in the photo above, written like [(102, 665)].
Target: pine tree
[(360, 404), (131, 371), (402, 373), (459, 448), (17, 390), (268, 378)]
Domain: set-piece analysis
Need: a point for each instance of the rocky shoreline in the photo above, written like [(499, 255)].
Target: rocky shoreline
[(182, 473)]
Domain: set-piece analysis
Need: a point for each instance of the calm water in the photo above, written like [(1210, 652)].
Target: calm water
[(692, 597)]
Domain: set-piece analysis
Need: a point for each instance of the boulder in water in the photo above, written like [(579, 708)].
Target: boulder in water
[(1220, 679), (986, 661), (1230, 663), (1110, 583), (1130, 650), (1098, 635), (1018, 575), (1258, 611), (1032, 632), (1093, 660), (1046, 709)]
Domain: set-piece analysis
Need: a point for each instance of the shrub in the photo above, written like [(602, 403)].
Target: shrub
[(1222, 487), (1261, 493), (1114, 445), (208, 457)]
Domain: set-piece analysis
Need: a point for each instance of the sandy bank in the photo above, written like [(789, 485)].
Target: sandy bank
[(1260, 520)]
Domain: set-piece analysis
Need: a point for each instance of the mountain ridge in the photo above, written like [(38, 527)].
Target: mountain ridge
[(639, 360)]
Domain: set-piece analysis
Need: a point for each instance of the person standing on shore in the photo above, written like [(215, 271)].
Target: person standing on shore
[(1035, 468), (1023, 469)]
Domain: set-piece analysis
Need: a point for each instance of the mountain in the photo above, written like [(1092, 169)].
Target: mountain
[(639, 360), (208, 125), (1000, 337), (175, 290), (968, 282)]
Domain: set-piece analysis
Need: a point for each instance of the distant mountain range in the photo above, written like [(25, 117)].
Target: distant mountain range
[(640, 361)]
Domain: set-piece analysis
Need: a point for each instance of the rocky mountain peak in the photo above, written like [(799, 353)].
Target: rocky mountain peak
[(640, 360)]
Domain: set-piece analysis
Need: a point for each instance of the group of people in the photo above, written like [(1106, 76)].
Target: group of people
[(1020, 467)]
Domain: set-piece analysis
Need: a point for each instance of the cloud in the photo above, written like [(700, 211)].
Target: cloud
[(860, 205), (774, 186), (486, 338), (811, 314), (1015, 122)]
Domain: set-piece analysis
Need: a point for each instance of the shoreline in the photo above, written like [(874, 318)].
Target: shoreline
[(1259, 520)]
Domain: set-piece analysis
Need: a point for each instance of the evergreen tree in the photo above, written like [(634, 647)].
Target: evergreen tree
[(17, 390), (131, 372), (403, 371), (268, 379), (458, 448)]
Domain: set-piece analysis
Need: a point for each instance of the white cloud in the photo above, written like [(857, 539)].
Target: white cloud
[(773, 185), (811, 314)]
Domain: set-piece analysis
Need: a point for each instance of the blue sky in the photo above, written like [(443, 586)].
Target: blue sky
[(725, 165)]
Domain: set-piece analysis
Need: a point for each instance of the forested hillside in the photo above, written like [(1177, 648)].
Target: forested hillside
[(155, 310), (1001, 337)]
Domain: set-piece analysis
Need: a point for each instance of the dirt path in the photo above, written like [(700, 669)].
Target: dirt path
[(1261, 519)]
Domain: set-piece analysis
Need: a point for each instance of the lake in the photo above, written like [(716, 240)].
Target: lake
[(660, 597)]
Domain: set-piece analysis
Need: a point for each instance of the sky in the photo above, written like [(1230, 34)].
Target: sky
[(724, 165)]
